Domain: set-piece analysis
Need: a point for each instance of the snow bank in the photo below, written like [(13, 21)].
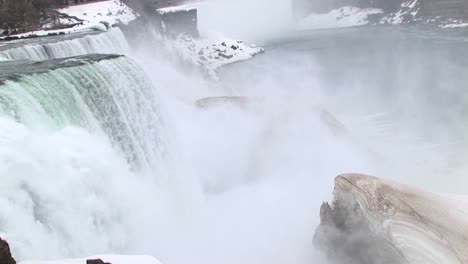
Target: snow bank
[(41, 33), (409, 12), (114, 259), (212, 52), (94, 16), (455, 25), (347, 16), (111, 12)]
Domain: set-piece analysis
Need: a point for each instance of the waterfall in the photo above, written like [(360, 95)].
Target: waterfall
[(110, 42), (99, 93), (78, 137)]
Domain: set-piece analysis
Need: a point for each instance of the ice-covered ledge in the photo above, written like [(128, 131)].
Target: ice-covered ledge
[(373, 221)]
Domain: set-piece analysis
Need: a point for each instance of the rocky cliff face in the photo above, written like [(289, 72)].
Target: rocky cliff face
[(374, 221), (348, 235)]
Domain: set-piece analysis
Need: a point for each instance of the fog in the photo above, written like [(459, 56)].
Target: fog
[(263, 170), (248, 20)]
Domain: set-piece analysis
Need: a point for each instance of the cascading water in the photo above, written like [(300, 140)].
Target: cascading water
[(77, 137), (106, 93), (111, 42)]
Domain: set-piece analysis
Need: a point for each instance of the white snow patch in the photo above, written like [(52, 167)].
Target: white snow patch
[(410, 4), (178, 8), (455, 25), (114, 259), (111, 12), (347, 16), (407, 8)]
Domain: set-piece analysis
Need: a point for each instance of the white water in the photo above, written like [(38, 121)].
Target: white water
[(110, 42), (87, 150), (91, 164)]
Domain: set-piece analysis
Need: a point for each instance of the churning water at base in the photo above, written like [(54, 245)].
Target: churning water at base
[(111, 42)]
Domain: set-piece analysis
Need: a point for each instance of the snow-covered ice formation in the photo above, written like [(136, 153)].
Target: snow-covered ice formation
[(373, 220)]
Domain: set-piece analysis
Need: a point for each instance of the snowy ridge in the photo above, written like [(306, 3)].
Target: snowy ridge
[(350, 16), (410, 12), (114, 259), (347, 16)]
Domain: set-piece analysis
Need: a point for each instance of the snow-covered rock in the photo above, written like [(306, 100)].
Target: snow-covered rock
[(211, 53), (407, 13), (411, 12), (373, 220), (347, 16), (114, 259), (92, 16)]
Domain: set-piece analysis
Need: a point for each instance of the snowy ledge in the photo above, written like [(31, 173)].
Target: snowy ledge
[(212, 52), (409, 12), (179, 8)]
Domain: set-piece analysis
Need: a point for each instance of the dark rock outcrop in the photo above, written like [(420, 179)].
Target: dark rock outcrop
[(5, 253), (96, 261), (346, 236)]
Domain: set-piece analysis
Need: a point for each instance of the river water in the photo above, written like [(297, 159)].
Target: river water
[(111, 154)]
